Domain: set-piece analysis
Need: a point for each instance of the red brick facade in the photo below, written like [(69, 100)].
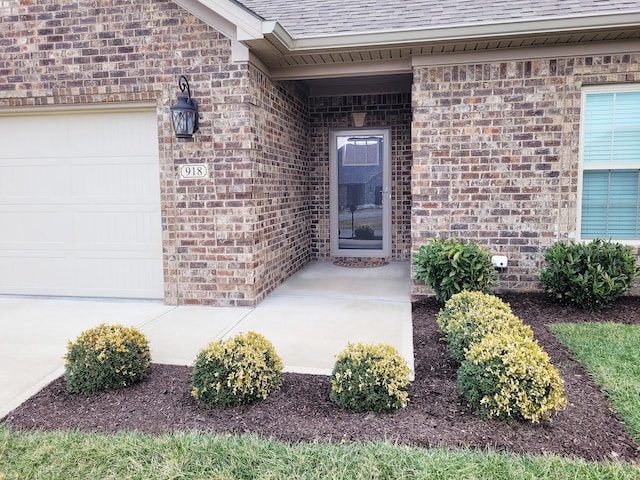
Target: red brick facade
[(496, 153), (485, 151), (280, 180)]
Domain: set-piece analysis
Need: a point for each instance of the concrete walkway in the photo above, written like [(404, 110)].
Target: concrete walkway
[(309, 319)]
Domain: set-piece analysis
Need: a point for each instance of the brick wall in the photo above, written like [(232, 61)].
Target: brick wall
[(280, 115), (496, 152), (388, 110)]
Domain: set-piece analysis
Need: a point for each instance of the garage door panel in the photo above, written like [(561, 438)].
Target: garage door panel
[(128, 138), (32, 182), (67, 134), (80, 205), (107, 250), (43, 272), (59, 273), (112, 256), (52, 132), (133, 182), (136, 277), (57, 276), (25, 229), (133, 230)]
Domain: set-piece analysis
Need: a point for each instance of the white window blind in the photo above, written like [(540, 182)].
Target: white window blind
[(611, 165)]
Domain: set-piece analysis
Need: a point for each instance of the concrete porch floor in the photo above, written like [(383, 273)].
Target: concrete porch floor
[(309, 319)]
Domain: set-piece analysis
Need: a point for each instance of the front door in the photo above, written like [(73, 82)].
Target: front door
[(360, 193)]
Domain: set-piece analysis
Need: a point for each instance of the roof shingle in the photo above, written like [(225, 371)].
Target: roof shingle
[(311, 18)]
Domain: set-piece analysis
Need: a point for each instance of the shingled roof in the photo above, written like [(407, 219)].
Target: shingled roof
[(312, 18)]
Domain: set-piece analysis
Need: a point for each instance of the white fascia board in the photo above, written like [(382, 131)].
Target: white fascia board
[(523, 53), (451, 32), (247, 22), (208, 16), (278, 37)]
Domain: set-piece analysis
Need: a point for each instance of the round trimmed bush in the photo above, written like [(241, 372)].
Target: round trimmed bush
[(466, 329), (370, 378), (449, 266), (589, 275), (460, 304), (240, 370), (505, 376), (107, 357)]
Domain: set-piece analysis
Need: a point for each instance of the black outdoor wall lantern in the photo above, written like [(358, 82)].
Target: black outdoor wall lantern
[(184, 114)]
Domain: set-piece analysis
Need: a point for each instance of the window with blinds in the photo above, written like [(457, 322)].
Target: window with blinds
[(611, 165)]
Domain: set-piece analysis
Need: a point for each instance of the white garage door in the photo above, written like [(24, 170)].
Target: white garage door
[(80, 204)]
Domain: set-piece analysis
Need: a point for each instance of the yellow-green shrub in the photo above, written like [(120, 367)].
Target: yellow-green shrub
[(370, 378), (240, 370), (464, 302), (107, 357), (463, 330), (506, 376)]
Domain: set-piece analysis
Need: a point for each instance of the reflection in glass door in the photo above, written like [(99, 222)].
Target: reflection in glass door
[(360, 193)]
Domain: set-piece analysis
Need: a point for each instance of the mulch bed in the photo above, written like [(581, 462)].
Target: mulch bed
[(301, 410)]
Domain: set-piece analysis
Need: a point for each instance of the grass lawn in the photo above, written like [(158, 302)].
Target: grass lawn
[(611, 354), (609, 351), (64, 455)]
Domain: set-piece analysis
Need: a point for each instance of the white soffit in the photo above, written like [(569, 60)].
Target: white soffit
[(545, 51)]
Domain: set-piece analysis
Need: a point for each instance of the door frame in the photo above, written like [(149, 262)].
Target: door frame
[(336, 251)]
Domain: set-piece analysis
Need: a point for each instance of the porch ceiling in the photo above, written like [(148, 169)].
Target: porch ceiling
[(370, 84)]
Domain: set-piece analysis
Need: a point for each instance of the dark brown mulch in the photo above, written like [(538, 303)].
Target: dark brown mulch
[(301, 410)]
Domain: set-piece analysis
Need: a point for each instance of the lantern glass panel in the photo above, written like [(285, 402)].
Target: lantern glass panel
[(183, 122)]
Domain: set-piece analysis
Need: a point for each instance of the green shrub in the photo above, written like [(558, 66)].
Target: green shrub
[(242, 369), (589, 275), (506, 376), (370, 378), (450, 266), (107, 357), (365, 232)]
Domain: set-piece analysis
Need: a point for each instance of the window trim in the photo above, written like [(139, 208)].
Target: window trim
[(590, 90)]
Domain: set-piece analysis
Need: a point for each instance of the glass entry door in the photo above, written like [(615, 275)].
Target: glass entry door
[(360, 193)]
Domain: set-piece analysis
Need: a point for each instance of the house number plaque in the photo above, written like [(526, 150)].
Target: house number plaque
[(194, 170)]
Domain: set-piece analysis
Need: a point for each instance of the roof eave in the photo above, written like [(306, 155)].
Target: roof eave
[(268, 42), (285, 43)]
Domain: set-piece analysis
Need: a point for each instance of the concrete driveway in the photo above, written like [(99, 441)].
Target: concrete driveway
[(309, 319)]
